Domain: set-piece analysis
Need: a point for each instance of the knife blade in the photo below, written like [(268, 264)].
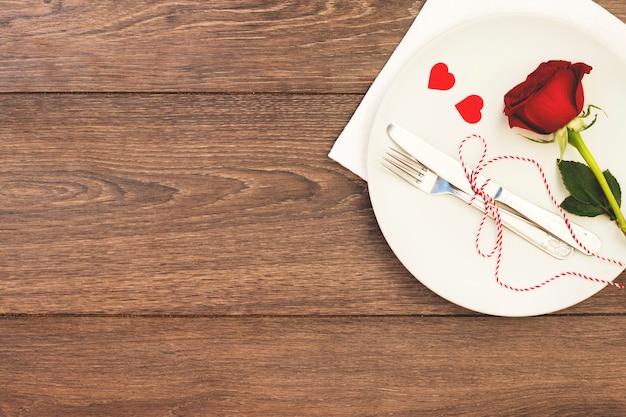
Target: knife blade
[(452, 171)]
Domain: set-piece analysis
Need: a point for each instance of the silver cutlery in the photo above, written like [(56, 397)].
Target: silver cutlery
[(452, 171), (413, 172)]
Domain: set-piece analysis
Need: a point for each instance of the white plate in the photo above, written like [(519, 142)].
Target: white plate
[(433, 236)]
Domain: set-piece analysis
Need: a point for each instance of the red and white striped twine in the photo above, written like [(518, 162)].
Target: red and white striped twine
[(491, 209)]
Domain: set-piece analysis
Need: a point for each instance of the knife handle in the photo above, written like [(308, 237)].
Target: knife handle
[(535, 235), (525, 229), (552, 223)]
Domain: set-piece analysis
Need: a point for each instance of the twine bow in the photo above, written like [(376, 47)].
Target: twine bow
[(492, 210)]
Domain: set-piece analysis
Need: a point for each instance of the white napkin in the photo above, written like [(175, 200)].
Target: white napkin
[(437, 16)]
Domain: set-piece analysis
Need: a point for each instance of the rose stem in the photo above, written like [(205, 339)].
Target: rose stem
[(576, 140)]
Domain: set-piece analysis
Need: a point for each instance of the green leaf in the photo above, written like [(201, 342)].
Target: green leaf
[(614, 185), (581, 183), (617, 192), (571, 205), (587, 198)]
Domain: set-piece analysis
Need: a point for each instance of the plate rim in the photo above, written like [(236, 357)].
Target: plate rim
[(414, 56)]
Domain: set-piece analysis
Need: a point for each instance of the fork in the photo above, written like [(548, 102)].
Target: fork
[(412, 171)]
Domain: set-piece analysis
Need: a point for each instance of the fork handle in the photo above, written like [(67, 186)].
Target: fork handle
[(526, 230)]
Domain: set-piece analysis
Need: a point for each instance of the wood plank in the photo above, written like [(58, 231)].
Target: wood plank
[(181, 204), (313, 46), (194, 204), (312, 366), (197, 45)]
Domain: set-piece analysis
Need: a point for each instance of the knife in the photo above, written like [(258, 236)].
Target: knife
[(452, 171)]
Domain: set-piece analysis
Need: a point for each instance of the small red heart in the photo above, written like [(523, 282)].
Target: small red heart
[(469, 108), (440, 77)]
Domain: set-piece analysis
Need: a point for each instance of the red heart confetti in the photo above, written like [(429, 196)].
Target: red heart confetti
[(470, 108), (440, 77)]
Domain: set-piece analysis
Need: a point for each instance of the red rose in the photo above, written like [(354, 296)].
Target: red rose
[(550, 98)]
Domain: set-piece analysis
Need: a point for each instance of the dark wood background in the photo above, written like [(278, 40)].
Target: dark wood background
[(176, 242)]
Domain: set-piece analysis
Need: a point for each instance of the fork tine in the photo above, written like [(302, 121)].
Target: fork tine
[(397, 163), (407, 162), (406, 158), (400, 172)]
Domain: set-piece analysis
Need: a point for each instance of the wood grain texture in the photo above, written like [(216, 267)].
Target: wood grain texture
[(193, 204), (196, 45), (176, 242), (403, 366)]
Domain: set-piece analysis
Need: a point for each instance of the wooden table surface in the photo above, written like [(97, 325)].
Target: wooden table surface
[(176, 242)]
